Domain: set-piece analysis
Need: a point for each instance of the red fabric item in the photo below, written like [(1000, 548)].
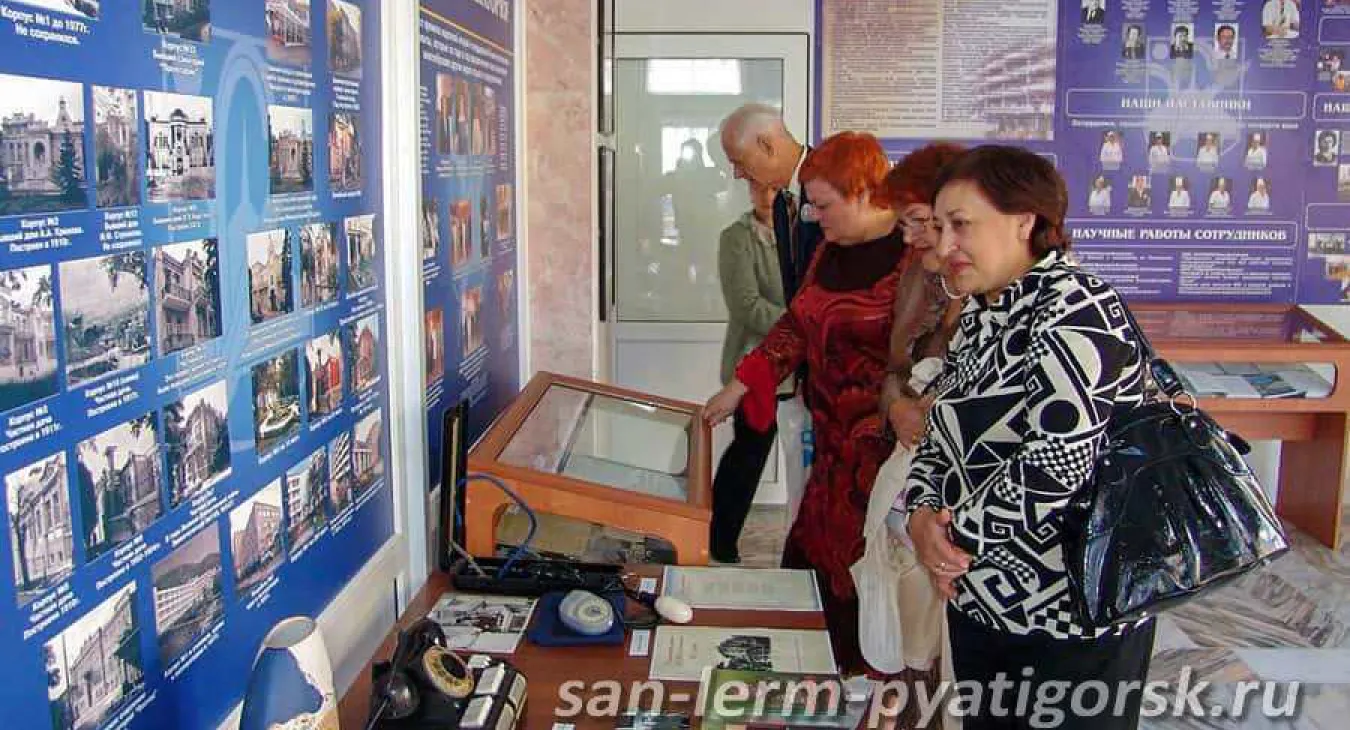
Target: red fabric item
[(844, 338), (760, 404)]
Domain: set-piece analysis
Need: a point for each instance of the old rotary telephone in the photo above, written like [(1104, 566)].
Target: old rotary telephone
[(425, 686)]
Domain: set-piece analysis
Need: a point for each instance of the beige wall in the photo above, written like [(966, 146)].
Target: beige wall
[(559, 161)]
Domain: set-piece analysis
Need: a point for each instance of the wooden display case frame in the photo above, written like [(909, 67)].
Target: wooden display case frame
[(1315, 454), (683, 524)]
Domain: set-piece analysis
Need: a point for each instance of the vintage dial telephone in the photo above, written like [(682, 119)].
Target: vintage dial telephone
[(425, 686)]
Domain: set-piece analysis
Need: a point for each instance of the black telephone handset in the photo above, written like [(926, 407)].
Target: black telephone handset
[(426, 686)]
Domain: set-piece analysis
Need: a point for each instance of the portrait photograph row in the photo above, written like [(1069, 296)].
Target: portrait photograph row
[(1217, 196), (467, 116), (1161, 150), (1279, 21), (471, 337), (460, 223)]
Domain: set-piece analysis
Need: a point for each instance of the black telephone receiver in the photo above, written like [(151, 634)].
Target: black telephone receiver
[(398, 692), (425, 685)]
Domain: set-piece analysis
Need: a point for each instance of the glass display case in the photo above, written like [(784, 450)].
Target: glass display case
[(598, 453), (1269, 372)]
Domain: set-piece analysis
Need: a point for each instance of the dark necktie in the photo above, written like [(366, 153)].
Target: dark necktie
[(784, 224)]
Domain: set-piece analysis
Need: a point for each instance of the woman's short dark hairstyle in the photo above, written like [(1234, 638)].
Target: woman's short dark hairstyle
[(1016, 180)]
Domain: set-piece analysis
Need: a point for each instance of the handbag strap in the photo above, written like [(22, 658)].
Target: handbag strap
[(1161, 372)]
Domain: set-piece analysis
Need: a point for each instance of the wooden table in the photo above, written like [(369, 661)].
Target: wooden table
[(1315, 455), (547, 668)]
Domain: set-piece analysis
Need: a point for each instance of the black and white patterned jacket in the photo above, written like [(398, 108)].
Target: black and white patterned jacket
[(1020, 417)]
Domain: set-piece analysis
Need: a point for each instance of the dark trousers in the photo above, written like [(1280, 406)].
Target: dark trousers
[(1055, 694), (734, 486), (841, 613)]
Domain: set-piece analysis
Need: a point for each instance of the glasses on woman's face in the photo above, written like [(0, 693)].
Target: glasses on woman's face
[(918, 223)]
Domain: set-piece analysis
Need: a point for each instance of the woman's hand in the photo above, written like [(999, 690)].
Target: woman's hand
[(909, 419), (943, 559), (724, 403)]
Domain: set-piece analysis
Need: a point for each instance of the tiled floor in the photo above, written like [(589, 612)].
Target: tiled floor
[(1289, 623)]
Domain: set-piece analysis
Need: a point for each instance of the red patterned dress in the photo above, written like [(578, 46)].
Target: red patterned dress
[(839, 323)]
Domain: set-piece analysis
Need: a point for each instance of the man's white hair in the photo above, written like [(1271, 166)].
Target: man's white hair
[(750, 120)]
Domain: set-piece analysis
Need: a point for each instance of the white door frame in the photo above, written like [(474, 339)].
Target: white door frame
[(701, 338)]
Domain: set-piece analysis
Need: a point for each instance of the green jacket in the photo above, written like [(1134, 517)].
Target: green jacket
[(747, 263)]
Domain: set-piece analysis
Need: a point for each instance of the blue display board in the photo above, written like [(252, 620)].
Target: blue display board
[(193, 384), (468, 216), (1201, 140)]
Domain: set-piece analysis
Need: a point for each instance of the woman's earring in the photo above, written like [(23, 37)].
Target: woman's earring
[(942, 280)]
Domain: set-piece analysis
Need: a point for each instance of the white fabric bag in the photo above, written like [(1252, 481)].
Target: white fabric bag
[(901, 616), (794, 420)]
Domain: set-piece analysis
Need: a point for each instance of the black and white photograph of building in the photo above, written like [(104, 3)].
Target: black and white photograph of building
[(27, 336), (84, 8), (256, 537), (105, 311), (345, 173), (323, 374), (180, 147), (344, 38), (318, 264), (361, 251), (95, 667), (187, 294), (188, 592), (367, 458), (117, 130), (186, 19), (288, 33), (269, 275), (37, 518), (197, 439), (306, 492), (117, 475), (42, 162), (340, 472), (290, 144), (276, 401)]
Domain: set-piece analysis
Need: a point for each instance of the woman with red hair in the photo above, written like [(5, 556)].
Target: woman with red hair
[(839, 324), (925, 316)]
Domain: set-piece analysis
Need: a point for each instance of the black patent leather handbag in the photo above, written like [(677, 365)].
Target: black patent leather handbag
[(1172, 511)]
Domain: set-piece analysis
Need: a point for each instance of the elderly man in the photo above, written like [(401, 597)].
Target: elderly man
[(759, 147)]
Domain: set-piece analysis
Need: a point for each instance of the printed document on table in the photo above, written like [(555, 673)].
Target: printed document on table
[(487, 624), (743, 588), (683, 653)]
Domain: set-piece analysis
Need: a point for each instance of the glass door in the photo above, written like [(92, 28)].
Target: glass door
[(674, 192)]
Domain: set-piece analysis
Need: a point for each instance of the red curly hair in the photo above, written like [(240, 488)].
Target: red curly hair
[(852, 163), (914, 178)]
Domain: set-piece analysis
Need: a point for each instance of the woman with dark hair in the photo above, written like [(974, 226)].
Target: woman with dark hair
[(839, 323), (1045, 355)]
